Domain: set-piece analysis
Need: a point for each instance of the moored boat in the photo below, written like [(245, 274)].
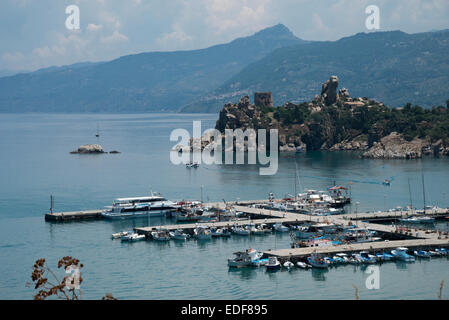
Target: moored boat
[(317, 261), (202, 233), (244, 258), (422, 254), (132, 237), (160, 235), (279, 227), (118, 235), (179, 235), (402, 255), (273, 264)]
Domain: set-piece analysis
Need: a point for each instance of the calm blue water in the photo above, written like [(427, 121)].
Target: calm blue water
[(35, 162)]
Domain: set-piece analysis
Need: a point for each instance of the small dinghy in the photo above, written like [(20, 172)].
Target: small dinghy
[(273, 264), (303, 265), (118, 235), (179, 235), (288, 265)]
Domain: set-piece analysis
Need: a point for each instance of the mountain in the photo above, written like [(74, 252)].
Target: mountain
[(145, 82), (393, 67)]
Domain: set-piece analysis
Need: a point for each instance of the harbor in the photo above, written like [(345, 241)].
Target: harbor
[(257, 214)]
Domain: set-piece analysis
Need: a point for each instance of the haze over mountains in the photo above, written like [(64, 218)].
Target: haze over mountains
[(393, 67), (155, 81)]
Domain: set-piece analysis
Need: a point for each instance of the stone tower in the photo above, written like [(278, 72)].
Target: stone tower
[(263, 99)]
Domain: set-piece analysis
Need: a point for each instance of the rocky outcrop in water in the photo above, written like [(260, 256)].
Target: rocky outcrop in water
[(88, 149)]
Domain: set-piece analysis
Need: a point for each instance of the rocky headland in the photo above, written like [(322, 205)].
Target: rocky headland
[(335, 121)]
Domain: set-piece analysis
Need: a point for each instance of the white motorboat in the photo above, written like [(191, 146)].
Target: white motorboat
[(118, 235), (245, 258), (418, 220), (342, 258), (132, 237), (288, 265), (179, 235), (153, 205), (273, 264)]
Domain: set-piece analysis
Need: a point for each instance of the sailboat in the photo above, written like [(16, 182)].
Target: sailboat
[(98, 132)]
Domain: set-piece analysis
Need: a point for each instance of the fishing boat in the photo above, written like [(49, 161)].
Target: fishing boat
[(422, 254), (132, 237), (279, 227), (401, 254), (160, 235), (317, 262), (244, 258), (118, 235), (202, 233), (303, 265), (273, 264), (179, 235), (153, 205)]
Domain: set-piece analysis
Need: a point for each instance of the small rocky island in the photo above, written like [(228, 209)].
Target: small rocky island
[(334, 121), (91, 149)]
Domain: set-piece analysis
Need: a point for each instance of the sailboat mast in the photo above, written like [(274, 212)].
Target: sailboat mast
[(410, 195), (423, 192)]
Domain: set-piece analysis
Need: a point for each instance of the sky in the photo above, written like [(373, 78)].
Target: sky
[(33, 33)]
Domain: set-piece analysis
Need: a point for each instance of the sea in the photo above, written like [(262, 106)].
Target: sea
[(35, 162)]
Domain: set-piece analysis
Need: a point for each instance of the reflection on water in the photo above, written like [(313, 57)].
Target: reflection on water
[(319, 274)]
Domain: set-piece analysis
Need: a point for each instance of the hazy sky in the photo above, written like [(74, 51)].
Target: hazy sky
[(33, 33)]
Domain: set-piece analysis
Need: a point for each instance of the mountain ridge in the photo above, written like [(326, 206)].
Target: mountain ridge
[(392, 66), (143, 82)]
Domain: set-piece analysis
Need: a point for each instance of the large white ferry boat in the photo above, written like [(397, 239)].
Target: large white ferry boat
[(153, 205)]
